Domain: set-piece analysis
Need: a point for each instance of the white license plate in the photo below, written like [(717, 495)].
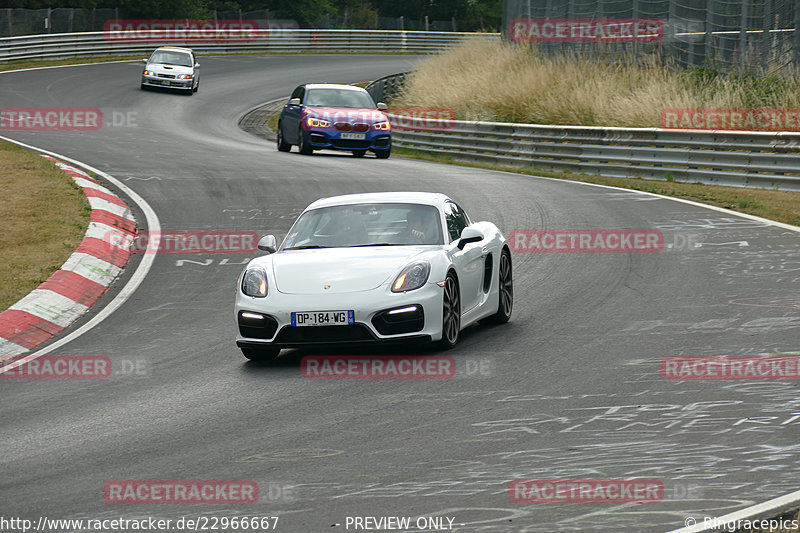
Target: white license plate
[(354, 136), (323, 318)]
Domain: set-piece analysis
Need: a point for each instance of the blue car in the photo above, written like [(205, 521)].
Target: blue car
[(334, 117)]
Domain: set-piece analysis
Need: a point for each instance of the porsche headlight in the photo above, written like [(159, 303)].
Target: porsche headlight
[(412, 277), (315, 122), (254, 282), (147, 72), (185, 77)]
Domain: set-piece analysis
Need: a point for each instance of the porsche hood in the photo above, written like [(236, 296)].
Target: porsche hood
[(340, 270)]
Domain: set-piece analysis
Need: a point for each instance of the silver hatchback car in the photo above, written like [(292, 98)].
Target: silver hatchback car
[(172, 67)]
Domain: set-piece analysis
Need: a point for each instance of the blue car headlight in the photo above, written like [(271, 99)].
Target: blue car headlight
[(254, 282), (412, 277), (315, 122)]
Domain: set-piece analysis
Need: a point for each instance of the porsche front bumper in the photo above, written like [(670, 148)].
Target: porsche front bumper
[(379, 316)]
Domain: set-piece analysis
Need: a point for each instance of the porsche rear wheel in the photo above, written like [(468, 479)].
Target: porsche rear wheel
[(505, 289), (260, 354), (451, 313)]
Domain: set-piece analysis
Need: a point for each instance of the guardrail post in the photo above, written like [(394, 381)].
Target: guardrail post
[(670, 33), (10, 26), (796, 39), (709, 29), (765, 35), (743, 36)]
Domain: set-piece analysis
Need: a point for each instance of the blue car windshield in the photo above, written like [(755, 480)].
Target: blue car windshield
[(366, 225), (338, 98)]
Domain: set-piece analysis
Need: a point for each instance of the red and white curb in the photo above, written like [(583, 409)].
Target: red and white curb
[(82, 279)]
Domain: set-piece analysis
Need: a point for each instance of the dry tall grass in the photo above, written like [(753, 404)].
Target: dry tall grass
[(485, 80)]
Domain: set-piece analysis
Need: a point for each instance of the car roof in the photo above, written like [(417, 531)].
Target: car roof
[(175, 49), (333, 86), (424, 198)]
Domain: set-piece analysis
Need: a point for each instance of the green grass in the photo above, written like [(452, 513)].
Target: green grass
[(44, 216)]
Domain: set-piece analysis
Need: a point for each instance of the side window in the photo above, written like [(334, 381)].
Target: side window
[(456, 220), (299, 92)]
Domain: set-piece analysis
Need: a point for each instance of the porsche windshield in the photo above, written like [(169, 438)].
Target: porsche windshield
[(366, 225), (338, 98)]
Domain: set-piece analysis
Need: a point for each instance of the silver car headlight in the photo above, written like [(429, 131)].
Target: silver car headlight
[(412, 277), (254, 282), (184, 76)]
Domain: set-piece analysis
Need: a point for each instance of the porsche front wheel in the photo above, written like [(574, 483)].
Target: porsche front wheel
[(505, 288), (451, 313)]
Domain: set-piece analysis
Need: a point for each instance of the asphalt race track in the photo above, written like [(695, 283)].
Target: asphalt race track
[(569, 389)]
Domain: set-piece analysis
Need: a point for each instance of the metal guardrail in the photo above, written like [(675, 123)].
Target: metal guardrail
[(738, 159), (386, 88), (63, 45)]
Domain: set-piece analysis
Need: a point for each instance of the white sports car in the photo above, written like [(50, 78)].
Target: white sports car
[(399, 266)]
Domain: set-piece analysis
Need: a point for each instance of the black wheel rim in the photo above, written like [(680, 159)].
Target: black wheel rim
[(506, 285), (280, 137), (452, 311)]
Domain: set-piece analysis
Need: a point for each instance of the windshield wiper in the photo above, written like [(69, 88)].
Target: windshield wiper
[(307, 247)]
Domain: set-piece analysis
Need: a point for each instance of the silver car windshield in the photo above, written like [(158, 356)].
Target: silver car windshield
[(338, 98), (171, 58), (366, 225)]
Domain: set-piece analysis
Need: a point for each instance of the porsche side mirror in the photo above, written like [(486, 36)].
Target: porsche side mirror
[(294, 101), (268, 244), (469, 235), (197, 65), (144, 61), (382, 106)]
